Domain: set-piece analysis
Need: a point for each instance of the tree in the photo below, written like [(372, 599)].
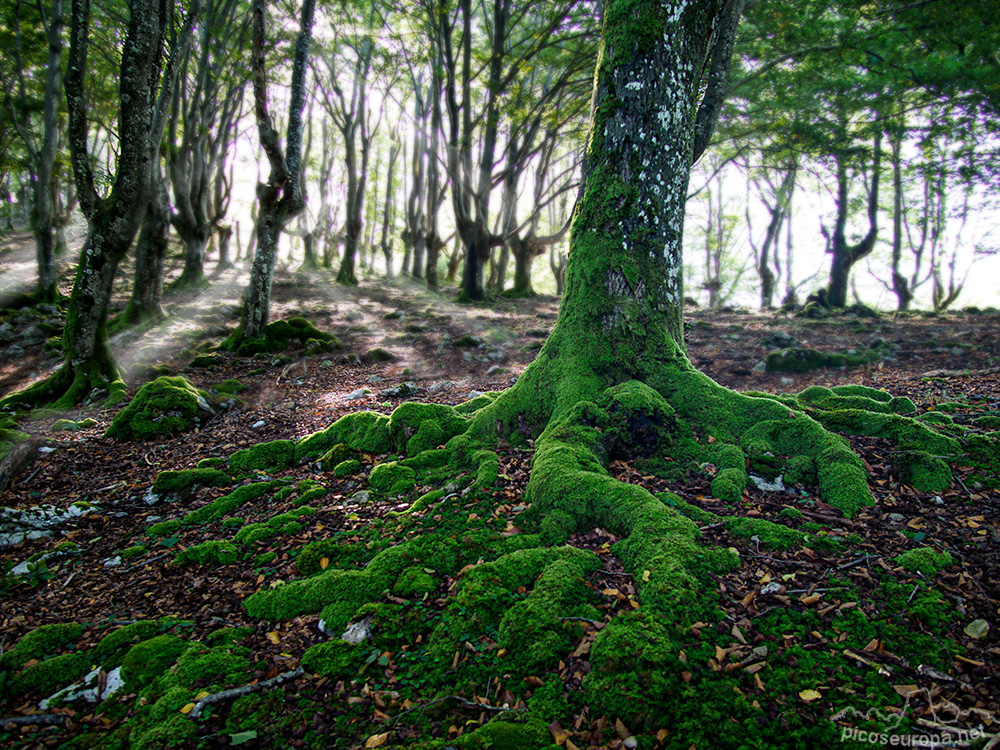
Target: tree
[(88, 363), (42, 156), (281, 197)]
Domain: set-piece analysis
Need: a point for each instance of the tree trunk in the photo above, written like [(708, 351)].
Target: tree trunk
[(523, 256), (845, 255), (145, 306), (45, 240), (280, 197), (225, 235)]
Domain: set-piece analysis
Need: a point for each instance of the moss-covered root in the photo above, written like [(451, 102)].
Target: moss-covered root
[(70, 384), (162, 407)]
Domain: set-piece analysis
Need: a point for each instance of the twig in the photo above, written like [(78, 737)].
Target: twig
[(35, 719), (71, 577), (246, 689), (612, 573), (857, 562), (465, 703), (582, 619), (146, 562), (993, 743), (913, 593)]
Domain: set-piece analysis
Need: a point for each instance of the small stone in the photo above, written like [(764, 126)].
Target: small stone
[(358, 394), (630, 743), (403, 390), (258, 424), (896, 518), (358, 631), (474, 394), (770, 588), (113, 562), (440, 385), (46, 449), (359, 497), (493, 370), (153, 519), (759, 367), (762, 484), (375, 379), (938, 500), (787, 381), (326, 363)]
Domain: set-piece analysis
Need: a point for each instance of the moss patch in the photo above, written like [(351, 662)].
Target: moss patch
[(166, 406)]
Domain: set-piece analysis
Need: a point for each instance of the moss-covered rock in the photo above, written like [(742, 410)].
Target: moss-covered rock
[(147, 660), (48, 676), (273, 456), (924, 560), (414, 581), (336, 659), (378, 354), (212, 552), (167, 482), (166, 406), (40, 643), (280, 335), (337, 455), (769, 535), (347, 468), (364, 430), (392, 478)]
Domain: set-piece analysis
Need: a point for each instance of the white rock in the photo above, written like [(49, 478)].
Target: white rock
[(358, 631), (630, 742), (46, 449), (258, 424), (762, 484), (771, 588), (87, 689), (113, 562)]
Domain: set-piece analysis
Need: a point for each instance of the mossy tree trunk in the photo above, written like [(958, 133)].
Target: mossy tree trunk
[(281, 196), (88, 363), (145, 305)]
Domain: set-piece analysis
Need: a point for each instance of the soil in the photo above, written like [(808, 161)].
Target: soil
[(934, 359)]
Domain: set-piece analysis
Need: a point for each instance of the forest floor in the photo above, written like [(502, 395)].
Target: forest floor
[(949, 360)]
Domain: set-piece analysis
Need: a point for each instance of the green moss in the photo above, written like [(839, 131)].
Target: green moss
[(125, 636), (416, 427), (504, 733), (212, 552), (233, 522), (172, 732), (337, 555), (414, 581), (281, 335), (337, 455), (686, 509), (40, 643), (273, 456), (790, 514), (211, 463), (770, 535), (205, 361), (227, 504), (166, 406), (50, 675), (333, 659), (147, 660), (65, 425), (232, 387), (924, 472), (557, 527), (347, 468), (799, 470), (132, 552), (392, 478), (363, 430), (186, 479), (254, 533), (924, 560), (802, 360)]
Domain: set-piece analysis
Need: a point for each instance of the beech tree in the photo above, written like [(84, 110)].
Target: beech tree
[(88, 363), (281, 197)]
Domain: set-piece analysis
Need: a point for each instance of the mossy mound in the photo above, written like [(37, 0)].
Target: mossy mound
[(378, 354), (147, 660), (797, 359), (9, 438), (924, 560), (170, 482), (281, 335), (273, 456), (164, 407), (40, 643)]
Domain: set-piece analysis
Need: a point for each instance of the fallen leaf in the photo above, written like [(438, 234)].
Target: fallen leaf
[(188, 708), (559, 735), (274, 638), (977, 629), (376, 740), (645, 576), (810, 695), (906, 691), (324, 563), (240, 738), (621, 729)]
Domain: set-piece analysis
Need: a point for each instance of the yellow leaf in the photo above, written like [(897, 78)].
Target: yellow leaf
[(274, 638), (202, 694), (645, 576), (377, 740), (260, 580), (324, 563), (720, 654), (188, 708), (662, 735), (810, 695)]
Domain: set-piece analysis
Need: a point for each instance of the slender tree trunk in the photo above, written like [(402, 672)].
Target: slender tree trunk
[(150, 256), (45, 239), (280, 198), (225, 234)]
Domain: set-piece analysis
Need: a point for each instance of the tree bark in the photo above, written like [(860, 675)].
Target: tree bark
[(150, 256), (280, 197)]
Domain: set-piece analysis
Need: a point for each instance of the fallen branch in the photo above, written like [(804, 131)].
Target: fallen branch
[(241, 691)]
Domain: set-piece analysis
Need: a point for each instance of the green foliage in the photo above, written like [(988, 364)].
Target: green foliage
[(187, 479), (147, 660), (40, 643), (212, 552), (392, 478), (48, 676)]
